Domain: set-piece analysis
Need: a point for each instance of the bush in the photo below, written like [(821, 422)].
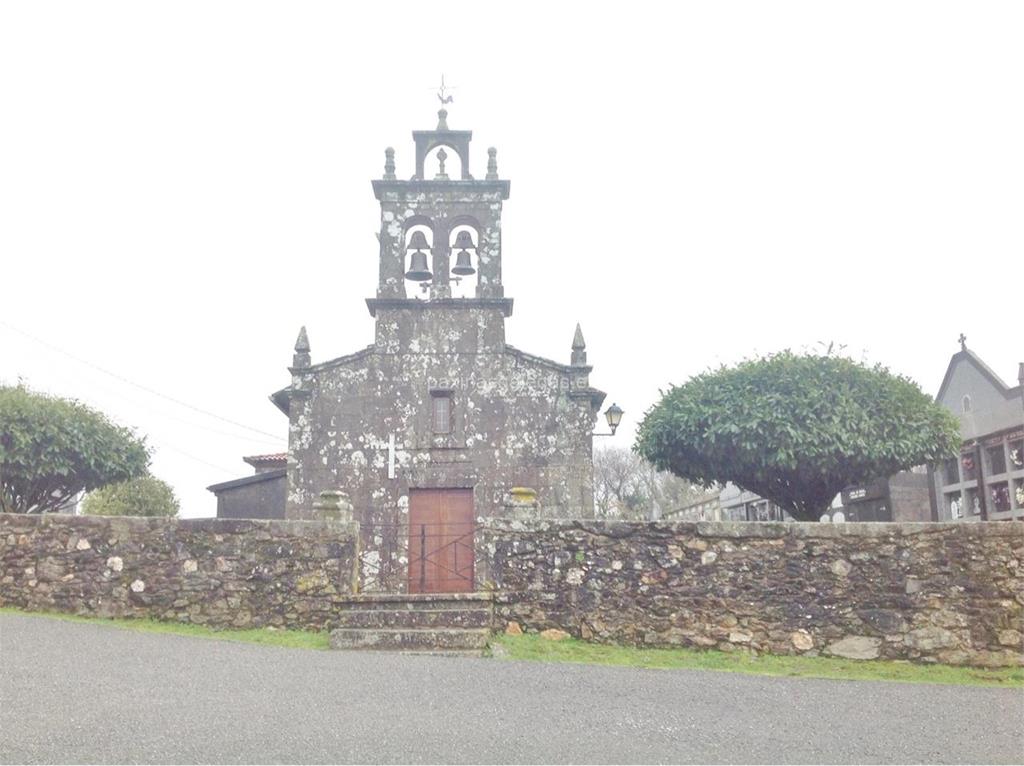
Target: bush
[(145, 496), (796, 429), (51, 449)]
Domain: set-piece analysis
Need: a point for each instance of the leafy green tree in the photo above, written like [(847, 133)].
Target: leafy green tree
[(145, 496), (51, 449), (796, 428)]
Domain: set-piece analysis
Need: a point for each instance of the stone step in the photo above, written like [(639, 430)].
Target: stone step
[(419, 639), (414, 601), (475, 617), (443, 653)]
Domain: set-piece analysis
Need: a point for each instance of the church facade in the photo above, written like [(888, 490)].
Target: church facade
[(440, 419)]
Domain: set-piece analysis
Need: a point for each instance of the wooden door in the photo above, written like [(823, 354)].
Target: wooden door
[(440, 540)]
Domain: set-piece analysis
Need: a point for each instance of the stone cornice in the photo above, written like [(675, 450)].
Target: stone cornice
[(376, 304), (416, 186)]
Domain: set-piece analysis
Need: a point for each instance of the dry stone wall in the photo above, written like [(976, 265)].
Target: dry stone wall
[(933, 592), (950, 593), (216, 572)]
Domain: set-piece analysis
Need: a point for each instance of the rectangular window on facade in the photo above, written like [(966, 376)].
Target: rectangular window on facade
[(973, 503), (970, 470), (951, 471), (996, 459), (441, 415), (1016, 454), (1000, 497), (954, 505)]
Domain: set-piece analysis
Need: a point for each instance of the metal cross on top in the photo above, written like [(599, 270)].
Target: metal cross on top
[(442, 93), (963, 342)]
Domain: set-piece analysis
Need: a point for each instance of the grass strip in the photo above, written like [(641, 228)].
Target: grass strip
[(291, 639), (535, 648)]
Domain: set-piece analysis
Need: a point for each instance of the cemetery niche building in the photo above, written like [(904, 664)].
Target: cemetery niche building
[(986, 482), (439, 420)]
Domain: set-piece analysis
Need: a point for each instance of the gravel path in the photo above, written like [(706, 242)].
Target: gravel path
[(82, 693)]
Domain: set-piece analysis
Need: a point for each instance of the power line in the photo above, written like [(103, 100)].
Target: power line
[(139, 386), (74, 390), (182, 452), (160, 442), (166, 445)]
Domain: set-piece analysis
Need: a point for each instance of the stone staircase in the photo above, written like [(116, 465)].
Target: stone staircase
[(422, 623)]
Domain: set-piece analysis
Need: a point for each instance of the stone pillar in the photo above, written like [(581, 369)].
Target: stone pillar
[(391, 283), (333, 505), (488, 253), (521, 503)]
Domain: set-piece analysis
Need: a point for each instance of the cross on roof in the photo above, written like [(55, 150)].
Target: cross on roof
[(442, 93), (963, 342)]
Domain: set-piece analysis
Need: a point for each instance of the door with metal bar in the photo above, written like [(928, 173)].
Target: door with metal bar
[(441, 530)]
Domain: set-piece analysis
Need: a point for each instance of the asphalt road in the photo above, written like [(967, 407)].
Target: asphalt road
[(80, 693)]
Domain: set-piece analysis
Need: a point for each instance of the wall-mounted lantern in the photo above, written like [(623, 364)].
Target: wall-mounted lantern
[(614, 416)]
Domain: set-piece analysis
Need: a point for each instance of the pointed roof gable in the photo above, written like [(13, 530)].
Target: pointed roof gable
[(967, 356)]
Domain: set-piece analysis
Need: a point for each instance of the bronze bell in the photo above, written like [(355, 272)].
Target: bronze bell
[(418, 241), (464, 241), (418, 268), (463, 264)]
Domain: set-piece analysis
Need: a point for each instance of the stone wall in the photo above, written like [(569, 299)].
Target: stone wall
[(364, 424), (216, 572), (951, 592), (516, 420), (947, 592)]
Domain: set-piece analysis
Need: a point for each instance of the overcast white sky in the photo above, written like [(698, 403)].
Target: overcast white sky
[(182, 185)]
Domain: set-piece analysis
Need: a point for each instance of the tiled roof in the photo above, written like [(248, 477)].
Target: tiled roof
[(276, 473), (274, 458)]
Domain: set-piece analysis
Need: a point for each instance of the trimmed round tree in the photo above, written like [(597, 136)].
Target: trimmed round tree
[(51, 449), (796, 428), (145, 496)]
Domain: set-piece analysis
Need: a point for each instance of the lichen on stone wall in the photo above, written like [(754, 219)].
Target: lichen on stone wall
[(950, 593), (220, 573), (363, 423)]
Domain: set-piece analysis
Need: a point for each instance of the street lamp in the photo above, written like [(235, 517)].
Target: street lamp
[(614, 416)]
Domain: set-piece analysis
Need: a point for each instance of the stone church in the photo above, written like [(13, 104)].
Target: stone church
[(437, 422)]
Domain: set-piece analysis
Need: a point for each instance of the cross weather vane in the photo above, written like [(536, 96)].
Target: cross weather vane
[(442, 93)]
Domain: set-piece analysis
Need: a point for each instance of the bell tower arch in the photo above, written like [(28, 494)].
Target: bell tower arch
[(462, 216)]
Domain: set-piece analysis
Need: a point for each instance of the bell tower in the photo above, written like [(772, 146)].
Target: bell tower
[(439, 228), (440, 406)]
